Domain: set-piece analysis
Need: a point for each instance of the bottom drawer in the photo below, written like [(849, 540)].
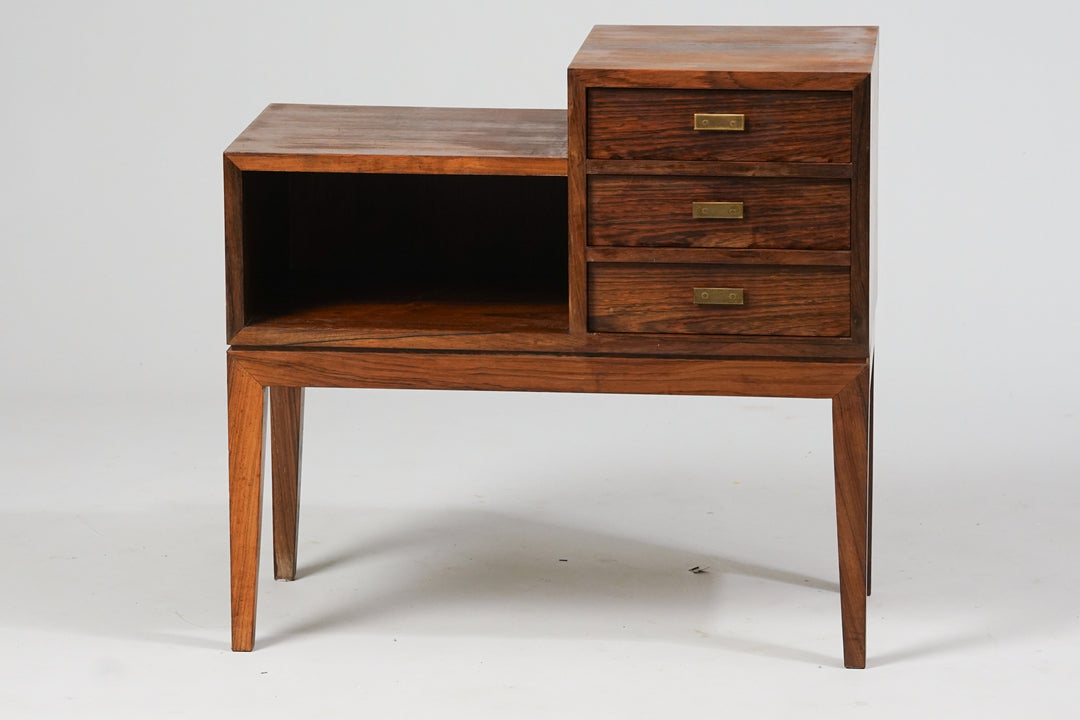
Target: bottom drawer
[(775, 300)]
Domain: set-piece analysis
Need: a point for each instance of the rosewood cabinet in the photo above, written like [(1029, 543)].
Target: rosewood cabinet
[(700, 222)]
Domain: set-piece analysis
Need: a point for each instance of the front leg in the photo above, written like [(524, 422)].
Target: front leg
[(247, 409), (851, 458)]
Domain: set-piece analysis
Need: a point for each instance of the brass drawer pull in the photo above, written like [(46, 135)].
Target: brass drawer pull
[(718, 210), (718, 296), (720, 122)]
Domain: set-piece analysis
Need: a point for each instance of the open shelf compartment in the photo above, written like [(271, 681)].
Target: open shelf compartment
[(344, 251)]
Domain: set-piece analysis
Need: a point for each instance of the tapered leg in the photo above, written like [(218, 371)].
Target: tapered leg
[(851, 446), (870, 486), (246, 418), (286, 440)]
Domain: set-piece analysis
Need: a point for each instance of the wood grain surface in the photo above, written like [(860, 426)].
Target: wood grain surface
[(246, 422), (286, 443), (576, 205), (851, 460), (791, 213), (337, 138), (718, 168), (863, 232), (657, 124), (283, 332), (737, 256), (785, 301), (774, 58), (537, 372)]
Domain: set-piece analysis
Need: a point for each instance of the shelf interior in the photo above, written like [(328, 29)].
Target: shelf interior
[(344, 251)]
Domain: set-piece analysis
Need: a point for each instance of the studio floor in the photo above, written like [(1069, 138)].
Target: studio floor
[(512, 555)]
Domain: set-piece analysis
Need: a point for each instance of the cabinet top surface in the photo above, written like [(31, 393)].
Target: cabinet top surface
[(403, 139), (735, 49)]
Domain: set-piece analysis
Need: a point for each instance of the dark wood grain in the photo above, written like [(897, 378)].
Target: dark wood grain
[(718, 168), (791, 213), (286, 443), (771, 58), (860, 218), (785, 301), (246, 418), (851, 460), (234, 250), (471, 141), (870, 482), (283, 332), (535, 372), (835, 258), (431, 315), (655, 124), (576, 205)]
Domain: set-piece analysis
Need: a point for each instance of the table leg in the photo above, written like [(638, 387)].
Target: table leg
[(247, 410), (851, 437), (870, 485), (286, 442)]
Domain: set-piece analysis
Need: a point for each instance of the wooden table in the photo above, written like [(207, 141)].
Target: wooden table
[(700, 222)]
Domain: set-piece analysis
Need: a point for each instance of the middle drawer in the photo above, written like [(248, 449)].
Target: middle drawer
[(662, 211)]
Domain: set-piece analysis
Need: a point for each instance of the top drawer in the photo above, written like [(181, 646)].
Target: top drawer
[(647, 124)]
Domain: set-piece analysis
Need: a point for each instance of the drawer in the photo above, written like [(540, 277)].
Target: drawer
[(776, 300), (657, 211), (636, 124)]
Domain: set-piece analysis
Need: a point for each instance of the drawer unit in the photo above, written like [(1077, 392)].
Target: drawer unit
[(735, 125), (721, 204), (720, 212), (719, 299)]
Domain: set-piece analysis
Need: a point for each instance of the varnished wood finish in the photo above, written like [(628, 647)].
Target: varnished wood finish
[(861, 239), (652, 124), (453, 317), (246, 419), (234, 250), (732, 58), (450, 249), (440, 141), (286, 442), (528, 372), (576, 205), (317, 336), (786, 301), (828, 258), (646, 210), (718, 168), (870, 483), (851, 458)]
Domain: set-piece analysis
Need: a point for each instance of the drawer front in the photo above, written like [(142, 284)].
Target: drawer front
[(656, 211), (635, 124), (781, 301)]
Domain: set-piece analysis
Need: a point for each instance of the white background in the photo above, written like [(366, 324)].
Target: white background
[(431, 519)]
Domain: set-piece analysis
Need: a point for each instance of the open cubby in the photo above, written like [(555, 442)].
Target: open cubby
[(385, 251)]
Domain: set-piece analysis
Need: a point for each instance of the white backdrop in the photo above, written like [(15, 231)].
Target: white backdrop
[(114, 117)]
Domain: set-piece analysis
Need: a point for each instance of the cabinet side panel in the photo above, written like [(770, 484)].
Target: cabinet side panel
[(860, 216), (874, 81), (576, 202), (234, 257)]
